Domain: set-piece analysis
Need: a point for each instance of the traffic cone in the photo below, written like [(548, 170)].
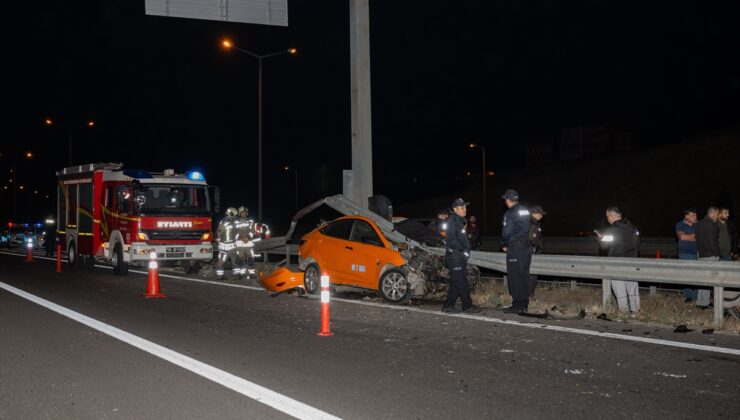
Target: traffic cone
[(152, 283), (325, 331), (29, 247), (59, 258), (657, 254)]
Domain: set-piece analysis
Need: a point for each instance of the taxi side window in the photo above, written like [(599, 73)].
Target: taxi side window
[(339, 229), (364, 233)]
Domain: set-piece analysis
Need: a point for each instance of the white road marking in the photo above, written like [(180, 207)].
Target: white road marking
[(250, 389), (655, 341)]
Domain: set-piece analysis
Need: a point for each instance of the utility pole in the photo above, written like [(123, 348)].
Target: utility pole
[(362, 145)]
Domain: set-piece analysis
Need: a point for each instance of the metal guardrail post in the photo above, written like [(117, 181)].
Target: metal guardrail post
[(653, 291), (719, 305), (573, 285), (606, 293)]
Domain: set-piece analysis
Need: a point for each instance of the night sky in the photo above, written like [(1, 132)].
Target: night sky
[(164, 94)]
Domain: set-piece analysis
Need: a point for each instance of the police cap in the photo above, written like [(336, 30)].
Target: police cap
[(537, 209), (459, 202), (511, 195)]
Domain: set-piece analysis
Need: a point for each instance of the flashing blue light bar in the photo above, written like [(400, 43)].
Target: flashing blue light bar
[(195, 176)]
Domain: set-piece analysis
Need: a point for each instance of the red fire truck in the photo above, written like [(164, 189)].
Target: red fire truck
[(105, 212)]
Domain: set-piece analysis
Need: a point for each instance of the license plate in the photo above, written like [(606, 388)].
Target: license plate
[(175, 249), (174, 255)]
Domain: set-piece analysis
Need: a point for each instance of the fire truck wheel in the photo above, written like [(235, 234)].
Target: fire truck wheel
[(72, 254), (120, 267)]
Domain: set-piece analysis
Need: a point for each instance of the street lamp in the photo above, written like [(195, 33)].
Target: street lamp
[(230, 45), (49, 122), (484, 174), (295, 172)]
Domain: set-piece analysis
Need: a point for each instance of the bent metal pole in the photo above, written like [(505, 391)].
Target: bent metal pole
[(325, 332)]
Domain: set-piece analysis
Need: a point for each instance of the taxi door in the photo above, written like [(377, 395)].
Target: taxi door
[(335, 250), (368, 251)]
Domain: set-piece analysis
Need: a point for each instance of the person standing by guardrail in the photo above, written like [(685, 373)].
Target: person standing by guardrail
[(622, 239), (515, 242), (456, 257), (707, 241), (686, 233), (727, 235), (535, 237)]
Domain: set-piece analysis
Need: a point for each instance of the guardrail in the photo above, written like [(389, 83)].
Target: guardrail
[(716, 274), (584, 245)]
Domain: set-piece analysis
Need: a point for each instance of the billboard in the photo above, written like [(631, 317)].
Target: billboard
[(264, 12)]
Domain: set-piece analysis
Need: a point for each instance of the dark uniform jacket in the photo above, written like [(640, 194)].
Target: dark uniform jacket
[(515, 230), (535, 236), (707, 237), (457, 239), (622, 239)]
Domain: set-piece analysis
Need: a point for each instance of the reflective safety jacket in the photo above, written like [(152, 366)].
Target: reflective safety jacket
[(226, 232)]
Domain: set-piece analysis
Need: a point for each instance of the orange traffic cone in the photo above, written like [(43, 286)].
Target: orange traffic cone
[(657, 254), (29, 248), (59, 258), (152, 283)]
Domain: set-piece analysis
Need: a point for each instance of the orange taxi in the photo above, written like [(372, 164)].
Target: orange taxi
[(354, 253)]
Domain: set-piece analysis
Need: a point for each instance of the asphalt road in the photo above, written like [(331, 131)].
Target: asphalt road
[(381, 362)]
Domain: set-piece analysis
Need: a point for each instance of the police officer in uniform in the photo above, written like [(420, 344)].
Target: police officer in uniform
[(456, 258), (515, 242), (226, 237), (245, 236)]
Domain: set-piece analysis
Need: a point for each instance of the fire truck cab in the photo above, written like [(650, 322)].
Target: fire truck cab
[(105, 212)]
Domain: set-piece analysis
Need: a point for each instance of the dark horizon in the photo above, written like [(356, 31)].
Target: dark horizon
[(164, 94)]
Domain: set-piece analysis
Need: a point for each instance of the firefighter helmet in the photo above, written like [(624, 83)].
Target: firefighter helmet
[(231, 212), (243, 209)]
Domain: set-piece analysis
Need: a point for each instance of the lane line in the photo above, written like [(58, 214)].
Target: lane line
[(655, 341), (249, 389)]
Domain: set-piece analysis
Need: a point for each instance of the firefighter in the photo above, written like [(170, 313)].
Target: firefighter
[(245, 236), (226, 237)]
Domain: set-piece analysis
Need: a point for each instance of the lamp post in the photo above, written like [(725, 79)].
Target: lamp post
[(229, 45), (49, 122), (295, 172), (484, 174)]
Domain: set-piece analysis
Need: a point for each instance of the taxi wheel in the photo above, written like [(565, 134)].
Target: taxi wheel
[(311, 279), (395, 287)]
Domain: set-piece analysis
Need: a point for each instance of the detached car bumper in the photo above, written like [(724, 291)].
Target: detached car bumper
[(140, 251)]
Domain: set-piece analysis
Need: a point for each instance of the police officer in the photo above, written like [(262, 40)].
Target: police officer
[(245, 236), (456, 258), (622, 239), (535, 236), (515, 242), (226, 237)]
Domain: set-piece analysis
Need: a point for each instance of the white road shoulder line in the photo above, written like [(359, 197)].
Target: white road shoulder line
[(250, 389), (656, 341)]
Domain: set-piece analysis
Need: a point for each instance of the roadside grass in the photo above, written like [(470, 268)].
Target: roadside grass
[(667, 308)]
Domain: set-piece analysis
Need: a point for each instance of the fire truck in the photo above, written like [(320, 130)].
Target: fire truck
[(121, 216)]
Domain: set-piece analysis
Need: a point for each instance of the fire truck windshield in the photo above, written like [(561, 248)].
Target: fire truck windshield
[(186, 200)]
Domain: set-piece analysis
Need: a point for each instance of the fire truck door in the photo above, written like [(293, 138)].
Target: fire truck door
[(124, 203)]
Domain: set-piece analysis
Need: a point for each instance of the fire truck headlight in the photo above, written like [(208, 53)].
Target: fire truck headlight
[(142, 236), (206, 236)]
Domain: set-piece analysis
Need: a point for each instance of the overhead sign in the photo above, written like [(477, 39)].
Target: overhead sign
[(264, 12)]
